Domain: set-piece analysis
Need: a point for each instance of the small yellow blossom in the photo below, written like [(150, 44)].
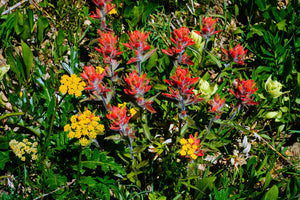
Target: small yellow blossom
[(133, 112), (99, 69), (71, 85)]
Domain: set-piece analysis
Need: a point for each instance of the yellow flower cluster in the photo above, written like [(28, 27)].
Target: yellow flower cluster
[(191, 147), (71, 84), (84, 127), (20, 148)]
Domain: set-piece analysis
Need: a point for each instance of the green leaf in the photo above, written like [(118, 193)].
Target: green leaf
[(215, 59), (272, 194), (42, 24), (268, 180), (282, 25), (27, 58), (55, 180), (4, 158), (203, 185), (60, 38), (88, 180), (261, 4)]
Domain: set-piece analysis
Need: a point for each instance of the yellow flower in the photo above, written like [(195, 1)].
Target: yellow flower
[(191, 141), (83, 141), (113, 11), (193, 156), (133, 112), (183, 141), (182, 153), (100, 127), (34, 157), (99, 69), (67, 128)]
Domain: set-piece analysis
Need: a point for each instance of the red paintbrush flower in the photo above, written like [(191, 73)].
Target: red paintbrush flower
[(94, 80), (138, 43), (183, 91), (237, 54), (108, 46), (137, 86), (181, 40), (217, 104), (244, 90), (207, 27)]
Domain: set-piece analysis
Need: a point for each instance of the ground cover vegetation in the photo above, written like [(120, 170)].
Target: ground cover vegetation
[(148, 99)]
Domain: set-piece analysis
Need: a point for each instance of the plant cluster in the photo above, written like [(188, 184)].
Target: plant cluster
[(143, 100)]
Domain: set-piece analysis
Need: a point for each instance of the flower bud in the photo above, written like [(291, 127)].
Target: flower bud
[(207, 89), (273, 87)]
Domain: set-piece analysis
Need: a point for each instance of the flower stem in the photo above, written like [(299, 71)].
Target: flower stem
[(208, 129)]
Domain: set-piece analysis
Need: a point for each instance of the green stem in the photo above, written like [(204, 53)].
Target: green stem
[(79, 165), (208, 129)]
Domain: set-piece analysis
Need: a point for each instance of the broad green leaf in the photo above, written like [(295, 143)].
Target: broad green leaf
[(42, 24), (272, 194), (27, 58)]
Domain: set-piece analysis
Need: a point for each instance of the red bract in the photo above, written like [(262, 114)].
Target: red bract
[(137, 85), (244, 90), (147, 104), (182, 82), (207, 27), (181, 40), (108, 46), (182, 79), (94, 80), (120, 121), (118, 118), (217, 103), (237, 54), (138, 43), (104, 5)]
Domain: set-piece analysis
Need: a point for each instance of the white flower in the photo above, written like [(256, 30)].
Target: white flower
[(207, 89), (273, 87)]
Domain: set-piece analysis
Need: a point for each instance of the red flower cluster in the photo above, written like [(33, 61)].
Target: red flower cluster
[(244, 90), (120, 121), (138, 43), (217, 103), (104, 7), (182, 82), (237, 54), (207, 28), (108, 46), (94, 80), (181, 40), (137, 87)]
